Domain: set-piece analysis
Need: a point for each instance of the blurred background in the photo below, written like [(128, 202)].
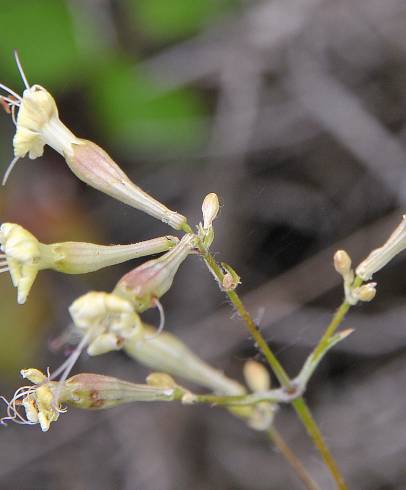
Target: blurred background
[(294, 113)]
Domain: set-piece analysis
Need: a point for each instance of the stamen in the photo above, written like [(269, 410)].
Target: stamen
[(11, 92), (13, 115), (9, 169), (20, 69), (75, 353), (10, 100), (67, 367), (161, 322), (12, 411)]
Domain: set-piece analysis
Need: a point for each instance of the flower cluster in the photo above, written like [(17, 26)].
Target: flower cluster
[(354, 288), (113, 320), (105, 321)]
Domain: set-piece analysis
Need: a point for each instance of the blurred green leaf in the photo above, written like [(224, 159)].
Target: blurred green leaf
[(133, 112), (170, 19), (20, 328), (42, 32)]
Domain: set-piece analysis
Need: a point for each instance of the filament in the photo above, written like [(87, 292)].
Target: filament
[(20, 69), (70, 361), (10, 101), (12, 411), (9, 170), (11, 92), (13, 114), (67, 367), (161, 321)]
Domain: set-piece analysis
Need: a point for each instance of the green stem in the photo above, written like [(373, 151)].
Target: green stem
[(276, 366), (314, 432), (292, 459), (279, 395), (335, 322), (186, 228), (299, 404)]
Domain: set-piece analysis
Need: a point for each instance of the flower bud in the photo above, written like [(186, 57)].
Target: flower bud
[(258, 380), (342, 262), (145, 284), (262, 416), (161, 380), (34, 375), (106, 319), (230, 279), (210, 208), (379, 257), (366, 292), (256, 376)]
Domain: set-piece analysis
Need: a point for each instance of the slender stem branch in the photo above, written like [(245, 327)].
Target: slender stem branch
[(299, 404), (280, 373), (335, 322), (279, 395), (314, 432), (292, 459)]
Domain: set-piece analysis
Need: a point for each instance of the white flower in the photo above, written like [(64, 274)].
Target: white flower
[(21, 257), (37, 400), (379, 257), (106, 319), (38, 124)]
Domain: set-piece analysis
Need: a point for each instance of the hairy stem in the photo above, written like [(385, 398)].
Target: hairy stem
[(299, 404), (292, 459), (276, 366)]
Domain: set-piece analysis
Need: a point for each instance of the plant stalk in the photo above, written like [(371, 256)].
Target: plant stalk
[(335, 322), (299, 404), (292, 459)]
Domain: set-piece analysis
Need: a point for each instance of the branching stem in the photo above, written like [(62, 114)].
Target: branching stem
[(299, 404), (335, 322)]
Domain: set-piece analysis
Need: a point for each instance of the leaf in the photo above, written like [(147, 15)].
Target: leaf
[(133, 112), (165, 20), (44, 36)]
